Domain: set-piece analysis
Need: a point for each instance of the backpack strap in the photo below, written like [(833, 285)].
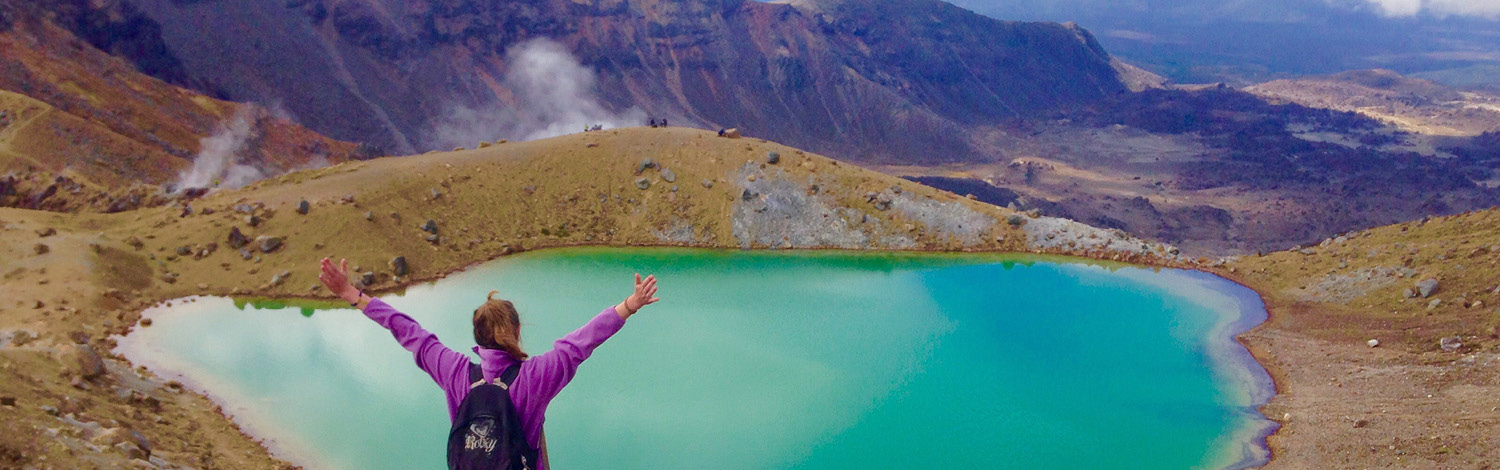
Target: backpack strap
[(476, 375), (508, 376)]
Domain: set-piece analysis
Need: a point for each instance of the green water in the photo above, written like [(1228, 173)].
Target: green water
[(770, 360)]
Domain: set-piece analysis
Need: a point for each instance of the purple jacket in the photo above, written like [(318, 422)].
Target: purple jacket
[(538, 381)]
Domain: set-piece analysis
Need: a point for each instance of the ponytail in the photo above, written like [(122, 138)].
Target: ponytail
[(497, 325)]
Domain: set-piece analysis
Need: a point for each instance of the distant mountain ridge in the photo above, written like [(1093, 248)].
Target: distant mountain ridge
[(861, 79)]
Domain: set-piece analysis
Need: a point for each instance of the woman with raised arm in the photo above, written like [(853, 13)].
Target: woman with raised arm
[(497, 406)]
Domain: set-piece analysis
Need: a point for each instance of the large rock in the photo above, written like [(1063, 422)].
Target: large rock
[(398, 266), (773, 157), (1451, 343), (643, 165), (642, 183), (267, 243), (303, 207), (430, 226), (1426, 287), (237, 239), (88, 364), (668, 176), (129, 441)]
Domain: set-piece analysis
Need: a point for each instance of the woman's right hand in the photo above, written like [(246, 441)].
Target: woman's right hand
[(336, 279), (645, 294)]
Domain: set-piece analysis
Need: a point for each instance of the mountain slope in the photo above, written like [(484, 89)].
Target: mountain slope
[(863, 80), (72, 110)]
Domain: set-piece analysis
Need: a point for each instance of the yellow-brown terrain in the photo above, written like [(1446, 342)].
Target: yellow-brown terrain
[(1407, 402), (72, 280)]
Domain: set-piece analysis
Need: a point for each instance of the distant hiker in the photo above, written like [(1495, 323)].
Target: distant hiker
[(497, 406), (721, 132), (652, 123), (663, 122)]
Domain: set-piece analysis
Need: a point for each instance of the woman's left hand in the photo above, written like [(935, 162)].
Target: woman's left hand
[(336, 279)]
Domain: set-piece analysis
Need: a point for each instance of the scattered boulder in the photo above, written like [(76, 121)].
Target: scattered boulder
[(370, 215), (432, 238), (252, 220), (1373, 342), (1451, 343), (367, 278), (268, 244), (129, 441), (1434, 304), (184, 250), (436, 194), (643, 165), (237, 239), (1360, 423), (398, 266), (642, 183), (303, 207), (1408, 293), (707, 183), (46, 232), (88, 363), (246, 254), (280, 278), (41, 249), (773, 158), (748, 195), (732, 133), (430, 227), (1427, 286), (668, 176)]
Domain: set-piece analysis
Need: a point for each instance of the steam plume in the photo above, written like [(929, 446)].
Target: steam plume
[(553, 94), (217, 164)]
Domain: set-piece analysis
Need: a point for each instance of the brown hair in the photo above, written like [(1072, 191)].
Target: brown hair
[(498, 326)]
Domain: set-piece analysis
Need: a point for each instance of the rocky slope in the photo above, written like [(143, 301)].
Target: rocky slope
[(79, 127), (1384, 344), (861, 79), (72, 280)]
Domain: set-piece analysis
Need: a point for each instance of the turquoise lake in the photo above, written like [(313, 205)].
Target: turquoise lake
[(766, 360)]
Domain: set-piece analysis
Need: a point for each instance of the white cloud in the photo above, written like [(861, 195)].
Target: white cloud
[(1440, 8)]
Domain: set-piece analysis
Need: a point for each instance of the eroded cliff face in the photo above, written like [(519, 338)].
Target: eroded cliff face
[(863, 80)]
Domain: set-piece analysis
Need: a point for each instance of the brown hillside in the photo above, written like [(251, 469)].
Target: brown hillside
[(1407, 403), (1411, 104), (82, 277), (73, 110)]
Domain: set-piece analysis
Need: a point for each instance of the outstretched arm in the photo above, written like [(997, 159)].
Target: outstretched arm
[(447, 367), (555, 368)]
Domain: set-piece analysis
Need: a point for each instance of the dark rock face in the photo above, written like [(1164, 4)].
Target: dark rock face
[(862, 79)]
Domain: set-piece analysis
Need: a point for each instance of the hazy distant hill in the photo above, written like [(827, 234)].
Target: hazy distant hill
[(76, 123), (861, 79)]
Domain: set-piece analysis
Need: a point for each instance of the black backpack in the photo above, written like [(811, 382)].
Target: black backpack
[(487, 432)]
